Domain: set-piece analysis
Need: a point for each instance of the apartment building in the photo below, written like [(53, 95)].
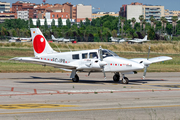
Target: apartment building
[(83, 12), (137, 9), (23, 15), (4, 7), (169, 14), (7, 15), (101, 14), (156, 11), (24, 6)]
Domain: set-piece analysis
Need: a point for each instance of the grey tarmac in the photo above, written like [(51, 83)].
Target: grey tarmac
[(53, 96)]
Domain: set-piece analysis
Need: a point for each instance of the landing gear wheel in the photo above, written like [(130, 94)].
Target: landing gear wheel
[(125, 80), (116, 78), (76, 78)]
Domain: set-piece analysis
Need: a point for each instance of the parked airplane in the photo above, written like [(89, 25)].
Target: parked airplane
[(117, 40), (95, 60), (61, 39), (17, 39), (137, 40)]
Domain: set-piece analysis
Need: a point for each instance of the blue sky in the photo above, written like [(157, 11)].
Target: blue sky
[(110, 5)]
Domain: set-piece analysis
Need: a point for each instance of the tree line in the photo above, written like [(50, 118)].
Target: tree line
[(97, 30)]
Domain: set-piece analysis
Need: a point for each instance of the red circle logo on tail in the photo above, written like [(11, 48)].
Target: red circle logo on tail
[(39, 43)]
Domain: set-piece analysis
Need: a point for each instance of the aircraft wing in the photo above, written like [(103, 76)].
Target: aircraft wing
[(151, 60), (44, 62)]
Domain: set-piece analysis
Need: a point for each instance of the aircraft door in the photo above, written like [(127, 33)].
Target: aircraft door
[(85, 62)]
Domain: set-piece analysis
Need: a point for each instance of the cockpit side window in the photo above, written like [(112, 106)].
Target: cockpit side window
[(84, 55), (93, 55), (108, 53)]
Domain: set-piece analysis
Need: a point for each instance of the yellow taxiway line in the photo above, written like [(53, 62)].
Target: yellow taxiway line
[(73, 110), (33, 106)]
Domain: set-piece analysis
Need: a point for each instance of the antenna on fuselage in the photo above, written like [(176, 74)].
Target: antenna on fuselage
[(69, 48)]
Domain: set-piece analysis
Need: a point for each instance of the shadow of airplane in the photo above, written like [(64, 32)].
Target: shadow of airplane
[(62, 80)]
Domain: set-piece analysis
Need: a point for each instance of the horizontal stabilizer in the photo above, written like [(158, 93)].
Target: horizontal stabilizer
[(151, 60)]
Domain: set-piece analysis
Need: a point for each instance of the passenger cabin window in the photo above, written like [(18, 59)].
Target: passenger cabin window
[(84, 55), (93, 55), (75, 57)]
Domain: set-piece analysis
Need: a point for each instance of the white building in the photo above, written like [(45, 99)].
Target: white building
[(49, 21), (84, 12), (134, 11), (23, 15)]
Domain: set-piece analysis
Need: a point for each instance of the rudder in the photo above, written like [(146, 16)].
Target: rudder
[(40, 44)]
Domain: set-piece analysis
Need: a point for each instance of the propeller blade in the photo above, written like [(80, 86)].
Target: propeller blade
[(148, 52), (104, 73), (100, 53), (145, 70), (101, 63)]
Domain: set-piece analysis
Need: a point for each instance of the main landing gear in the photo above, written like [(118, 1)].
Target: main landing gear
[(76, 78), (116, 78)]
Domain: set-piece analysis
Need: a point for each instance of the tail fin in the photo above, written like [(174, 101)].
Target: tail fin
[(40, 44), (52, 36), (145, 38)]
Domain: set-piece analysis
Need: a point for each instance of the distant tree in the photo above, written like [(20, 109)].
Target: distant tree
[(114, 33), (38, 23), (45, 24), (98, 23), (60, 24), (155, 22), (133, 20), (174, 20), (53, 23), (144, 25), (68, 23), (141, 18), (151, 34), (122, 24), (152, 19), (93, 22), (162, 22), (31, 23), (14, 34), (81, 24), (87, 22)]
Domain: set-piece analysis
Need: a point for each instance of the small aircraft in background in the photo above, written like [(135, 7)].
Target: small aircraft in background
[(137, 40), (118, 40), (61, 39), (18, 39), (90, 61)]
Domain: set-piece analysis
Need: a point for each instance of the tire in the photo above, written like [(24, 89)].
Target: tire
[(116, 78), (75, 79), (125, 80)]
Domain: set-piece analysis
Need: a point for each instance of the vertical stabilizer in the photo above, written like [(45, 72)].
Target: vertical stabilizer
[(52, 36), (40, 44), (145, 38)]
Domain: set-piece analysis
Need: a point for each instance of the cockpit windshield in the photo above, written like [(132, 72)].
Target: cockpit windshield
[(108, 53)]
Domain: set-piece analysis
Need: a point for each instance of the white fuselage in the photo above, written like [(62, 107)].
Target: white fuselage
[(85, 61)]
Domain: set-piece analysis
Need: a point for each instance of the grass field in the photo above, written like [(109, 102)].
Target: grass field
[(10, 50)]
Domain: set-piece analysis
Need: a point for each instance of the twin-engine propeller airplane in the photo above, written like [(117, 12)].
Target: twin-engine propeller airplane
[(61, 39), (96, 60)]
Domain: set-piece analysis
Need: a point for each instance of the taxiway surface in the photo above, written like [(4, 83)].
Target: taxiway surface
[(53, 96)]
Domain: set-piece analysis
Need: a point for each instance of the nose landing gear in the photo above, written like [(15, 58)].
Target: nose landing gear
[(125, 80)]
